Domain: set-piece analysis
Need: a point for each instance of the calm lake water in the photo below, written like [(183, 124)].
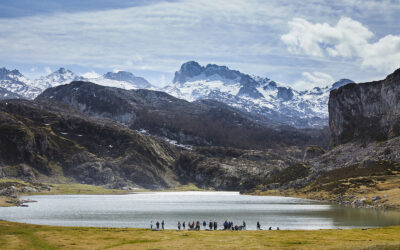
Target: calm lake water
[(138, 210)]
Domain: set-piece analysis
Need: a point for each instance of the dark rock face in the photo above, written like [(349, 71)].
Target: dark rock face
[(366, 111), (285, 94), (128, 77), (189, 69)]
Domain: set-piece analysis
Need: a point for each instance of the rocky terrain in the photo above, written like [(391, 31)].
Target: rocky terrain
[(43, 141), (202, 123), (363, 167), (60, 144)]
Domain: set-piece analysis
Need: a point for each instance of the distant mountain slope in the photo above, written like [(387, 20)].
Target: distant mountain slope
[(199, 123), (262, 96)]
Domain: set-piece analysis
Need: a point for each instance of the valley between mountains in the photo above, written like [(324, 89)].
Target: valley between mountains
[(213, 127)]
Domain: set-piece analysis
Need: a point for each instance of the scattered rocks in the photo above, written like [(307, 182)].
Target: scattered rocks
[(359, 203)]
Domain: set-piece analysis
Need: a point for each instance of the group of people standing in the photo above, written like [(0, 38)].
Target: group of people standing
[(229, 226), (212, 225), (157, 226)]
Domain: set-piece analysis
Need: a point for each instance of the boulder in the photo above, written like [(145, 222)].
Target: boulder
[(313, 152), (10, 191), (375, 198), (28, 189)]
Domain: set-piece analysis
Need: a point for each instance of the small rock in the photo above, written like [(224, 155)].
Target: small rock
[(375, 198), (385, 196), (28, 201), (28, 189)]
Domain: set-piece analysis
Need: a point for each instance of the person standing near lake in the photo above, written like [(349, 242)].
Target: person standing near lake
[(204, 224), (258, 225), (179, 225), (158, 225), (215, 225), (244, 225), (210, 225), (162, 224), (184, 226), (151, 225)]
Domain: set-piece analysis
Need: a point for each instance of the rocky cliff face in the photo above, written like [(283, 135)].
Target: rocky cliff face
[(365, 111)]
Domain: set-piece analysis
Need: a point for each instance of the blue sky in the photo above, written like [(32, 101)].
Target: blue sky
[(298, 43)]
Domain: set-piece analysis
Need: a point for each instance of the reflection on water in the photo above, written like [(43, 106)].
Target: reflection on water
[(138, 210)]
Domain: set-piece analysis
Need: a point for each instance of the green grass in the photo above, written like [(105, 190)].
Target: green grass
[(26, 236)]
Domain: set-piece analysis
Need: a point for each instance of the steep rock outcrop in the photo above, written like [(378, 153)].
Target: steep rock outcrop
[(365, 111)]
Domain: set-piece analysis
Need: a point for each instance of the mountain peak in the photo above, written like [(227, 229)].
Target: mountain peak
[(341, 83), (188, 69), (4, 71), (62, 71), (192, 69), (119, 76), (125, 76)]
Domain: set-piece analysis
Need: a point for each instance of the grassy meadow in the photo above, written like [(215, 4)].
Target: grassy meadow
[(26, 236)]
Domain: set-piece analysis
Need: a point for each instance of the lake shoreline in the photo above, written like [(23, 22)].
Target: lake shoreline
[(354, 199)]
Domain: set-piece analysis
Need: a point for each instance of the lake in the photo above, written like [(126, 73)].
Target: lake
[(138, 210)]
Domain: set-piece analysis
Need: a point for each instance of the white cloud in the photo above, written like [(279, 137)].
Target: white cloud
[(313, 79), (91, 75), (156, 38), (347, 39), (384, 54)]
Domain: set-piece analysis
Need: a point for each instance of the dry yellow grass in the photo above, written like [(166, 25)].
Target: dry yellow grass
[(25, 236), (388, 186)]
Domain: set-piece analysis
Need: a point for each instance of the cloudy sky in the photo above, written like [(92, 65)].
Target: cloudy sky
[(298, 43)]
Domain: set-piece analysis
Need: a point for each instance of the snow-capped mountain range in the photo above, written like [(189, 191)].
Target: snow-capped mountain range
[(284, 105), (15, 83), (193, 82)]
